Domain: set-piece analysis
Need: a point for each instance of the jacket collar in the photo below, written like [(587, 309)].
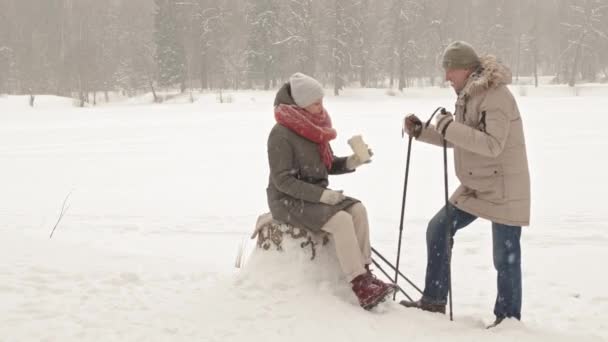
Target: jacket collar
[(490, 74)]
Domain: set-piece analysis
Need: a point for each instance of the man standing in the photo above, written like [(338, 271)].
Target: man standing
[(486, 134)]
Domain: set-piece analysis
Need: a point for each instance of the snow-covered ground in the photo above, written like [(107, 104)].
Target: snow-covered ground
[(163, 195)]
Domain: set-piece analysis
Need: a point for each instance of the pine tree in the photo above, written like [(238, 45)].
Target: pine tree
[(170, 54), (222, 40), (339, 57), (586, 30), (7, 66), (262, 19), (298, 38)]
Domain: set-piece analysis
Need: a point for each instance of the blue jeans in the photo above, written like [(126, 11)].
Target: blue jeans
[(507, 261)]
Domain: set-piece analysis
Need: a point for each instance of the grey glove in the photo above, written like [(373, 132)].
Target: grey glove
[(442, 121), (332, 197), (412, 125)]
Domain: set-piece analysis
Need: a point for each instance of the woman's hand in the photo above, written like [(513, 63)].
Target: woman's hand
[(332, 197)]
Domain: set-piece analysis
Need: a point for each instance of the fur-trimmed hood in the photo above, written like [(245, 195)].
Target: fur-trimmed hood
[(284, 96), (490, 74)]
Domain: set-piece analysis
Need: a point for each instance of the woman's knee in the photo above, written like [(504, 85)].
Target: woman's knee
[(358, 210), (340, 220)]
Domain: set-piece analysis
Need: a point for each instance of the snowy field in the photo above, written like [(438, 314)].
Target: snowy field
[(163, 195)]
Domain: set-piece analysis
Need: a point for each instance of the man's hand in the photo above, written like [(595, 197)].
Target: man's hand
[(442, 121), (412, 125), (332, 197)]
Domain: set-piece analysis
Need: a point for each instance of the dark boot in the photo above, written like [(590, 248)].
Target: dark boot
[(370, 292), (499, 319), (496, 322), (422, 304)]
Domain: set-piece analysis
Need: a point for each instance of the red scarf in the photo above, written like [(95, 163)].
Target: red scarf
[(314, 127)]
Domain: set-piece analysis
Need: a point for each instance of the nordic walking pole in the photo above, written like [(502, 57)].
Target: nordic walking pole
[(449, 221), (395, 269), (407, 171), (389, 277), (447, 212)]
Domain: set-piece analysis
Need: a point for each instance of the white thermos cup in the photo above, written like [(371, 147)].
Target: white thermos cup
[(360, 148)]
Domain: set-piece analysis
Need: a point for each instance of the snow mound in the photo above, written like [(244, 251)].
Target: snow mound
[(308, 259)]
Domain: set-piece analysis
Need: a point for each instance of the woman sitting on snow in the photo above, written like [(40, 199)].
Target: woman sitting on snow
[(301, 159)]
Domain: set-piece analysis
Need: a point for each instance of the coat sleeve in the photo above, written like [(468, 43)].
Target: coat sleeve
[(491, 141), (430, 136), (338, 166), (283, 172)]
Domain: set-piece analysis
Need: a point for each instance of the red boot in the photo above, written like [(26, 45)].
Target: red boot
[(378, 281), (370, 291)]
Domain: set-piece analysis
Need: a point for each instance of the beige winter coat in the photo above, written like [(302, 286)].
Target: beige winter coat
[(489, 148)]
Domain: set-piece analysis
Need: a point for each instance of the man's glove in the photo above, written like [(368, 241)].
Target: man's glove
[(332, 197), (412, 125), (442, 121)]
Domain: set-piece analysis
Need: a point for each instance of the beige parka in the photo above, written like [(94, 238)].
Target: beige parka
[(489, 148)]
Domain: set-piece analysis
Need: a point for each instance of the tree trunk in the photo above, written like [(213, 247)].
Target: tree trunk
[(204, 75), (517, 58), (401, 60), (577, 57), (337, 55), (535, 43), (81, 95), (32, 98), (401, 73), (363, 76), (336, 84), (310, 63), (266, 77), (156, 99), (535, 64), (519, 34)]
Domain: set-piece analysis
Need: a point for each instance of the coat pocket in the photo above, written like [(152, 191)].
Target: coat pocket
[(487, 182)]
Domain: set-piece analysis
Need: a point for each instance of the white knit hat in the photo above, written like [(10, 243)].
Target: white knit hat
[(305, 90)]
